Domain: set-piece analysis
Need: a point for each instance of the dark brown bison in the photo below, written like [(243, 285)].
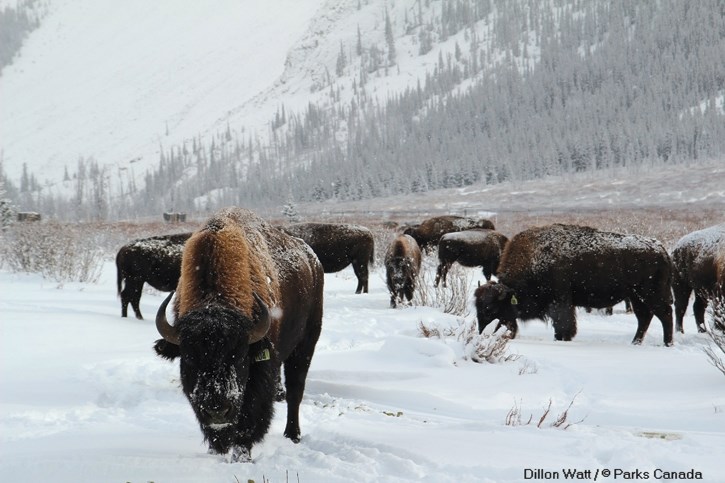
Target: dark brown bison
[(338, 245), (470, 248), (430, 231), (28, 216), (402, 265), (249, 299), (155, 260), (546, 272), (695, 262)]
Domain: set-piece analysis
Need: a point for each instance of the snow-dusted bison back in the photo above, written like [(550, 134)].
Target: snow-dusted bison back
[(546, 272)]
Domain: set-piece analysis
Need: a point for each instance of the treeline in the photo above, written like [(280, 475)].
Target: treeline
[(531, 89), (582, 86), (15, 24)]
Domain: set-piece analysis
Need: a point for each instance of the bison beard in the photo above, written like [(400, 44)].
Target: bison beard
[(546, 272), (230, 347)]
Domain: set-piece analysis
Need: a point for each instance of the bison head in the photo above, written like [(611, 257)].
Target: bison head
[(496, 301), (401, 274), (217, 345)]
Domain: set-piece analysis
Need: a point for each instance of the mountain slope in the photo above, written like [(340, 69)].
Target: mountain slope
[(114, 80)]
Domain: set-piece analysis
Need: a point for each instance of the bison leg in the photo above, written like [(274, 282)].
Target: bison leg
[(563, 319), (295, 374), (442, 273), (644, 317), (698, 308), (361, 272), (681, 292), (131, 293), (488, 271)]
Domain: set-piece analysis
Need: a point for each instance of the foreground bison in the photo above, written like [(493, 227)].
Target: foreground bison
[(230, 343), (430, 231), (402, 265), (470, 248), (698, 259), (338, 245), (546, 272), (155, 260)]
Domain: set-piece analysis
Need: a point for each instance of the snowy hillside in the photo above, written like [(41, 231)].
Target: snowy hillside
[(115, 82)]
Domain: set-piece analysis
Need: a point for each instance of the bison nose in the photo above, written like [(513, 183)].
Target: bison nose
[(218, 414)]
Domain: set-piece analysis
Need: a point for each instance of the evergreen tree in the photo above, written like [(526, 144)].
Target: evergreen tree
[(389, 39)]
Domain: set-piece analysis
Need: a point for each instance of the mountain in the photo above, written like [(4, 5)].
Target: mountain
[(113, 111)]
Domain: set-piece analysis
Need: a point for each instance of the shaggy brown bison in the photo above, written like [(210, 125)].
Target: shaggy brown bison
[(229, 341), (430, 231), (155, 260), (546, 272), (470, 248), (695, 261), (338, 245), (402, 265)]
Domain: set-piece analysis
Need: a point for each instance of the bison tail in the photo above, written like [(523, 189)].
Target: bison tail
[(371, 262)]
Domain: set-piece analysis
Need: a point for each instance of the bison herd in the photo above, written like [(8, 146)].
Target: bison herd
[(249, 295)]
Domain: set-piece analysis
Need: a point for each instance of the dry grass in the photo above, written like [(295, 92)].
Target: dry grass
[(514, 417)]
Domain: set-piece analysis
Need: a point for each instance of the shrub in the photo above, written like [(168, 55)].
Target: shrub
[(716, 351), (491, 347), (452, 299), (62, 253)]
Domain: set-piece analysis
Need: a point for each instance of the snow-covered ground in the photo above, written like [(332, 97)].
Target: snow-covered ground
[(84, 398)]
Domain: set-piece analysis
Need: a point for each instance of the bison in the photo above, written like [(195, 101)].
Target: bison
[(248, 301), (155, 260), (546, 272), (402, 265), (338, 245), (428, 233), (470, 248), (696, 258)]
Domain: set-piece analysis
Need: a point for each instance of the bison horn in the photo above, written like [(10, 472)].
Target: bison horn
[(264, 320), (167, 331)]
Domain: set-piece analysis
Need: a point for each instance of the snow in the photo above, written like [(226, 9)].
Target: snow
[(84, 398), (107, 79)]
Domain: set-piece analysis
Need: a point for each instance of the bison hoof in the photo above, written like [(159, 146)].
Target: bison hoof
[(294, 436), (636, 341), (701, 329), (669, 344), (240, 454)]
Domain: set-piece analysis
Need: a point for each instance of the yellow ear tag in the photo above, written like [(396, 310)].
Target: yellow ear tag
[(514, 300), (262, 356)]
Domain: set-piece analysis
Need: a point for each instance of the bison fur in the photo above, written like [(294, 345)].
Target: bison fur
[(470, 248), (338, 245), (546, 272), (248, 301), (402, 266), (155, 260), (429, 232), (698, 260)]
